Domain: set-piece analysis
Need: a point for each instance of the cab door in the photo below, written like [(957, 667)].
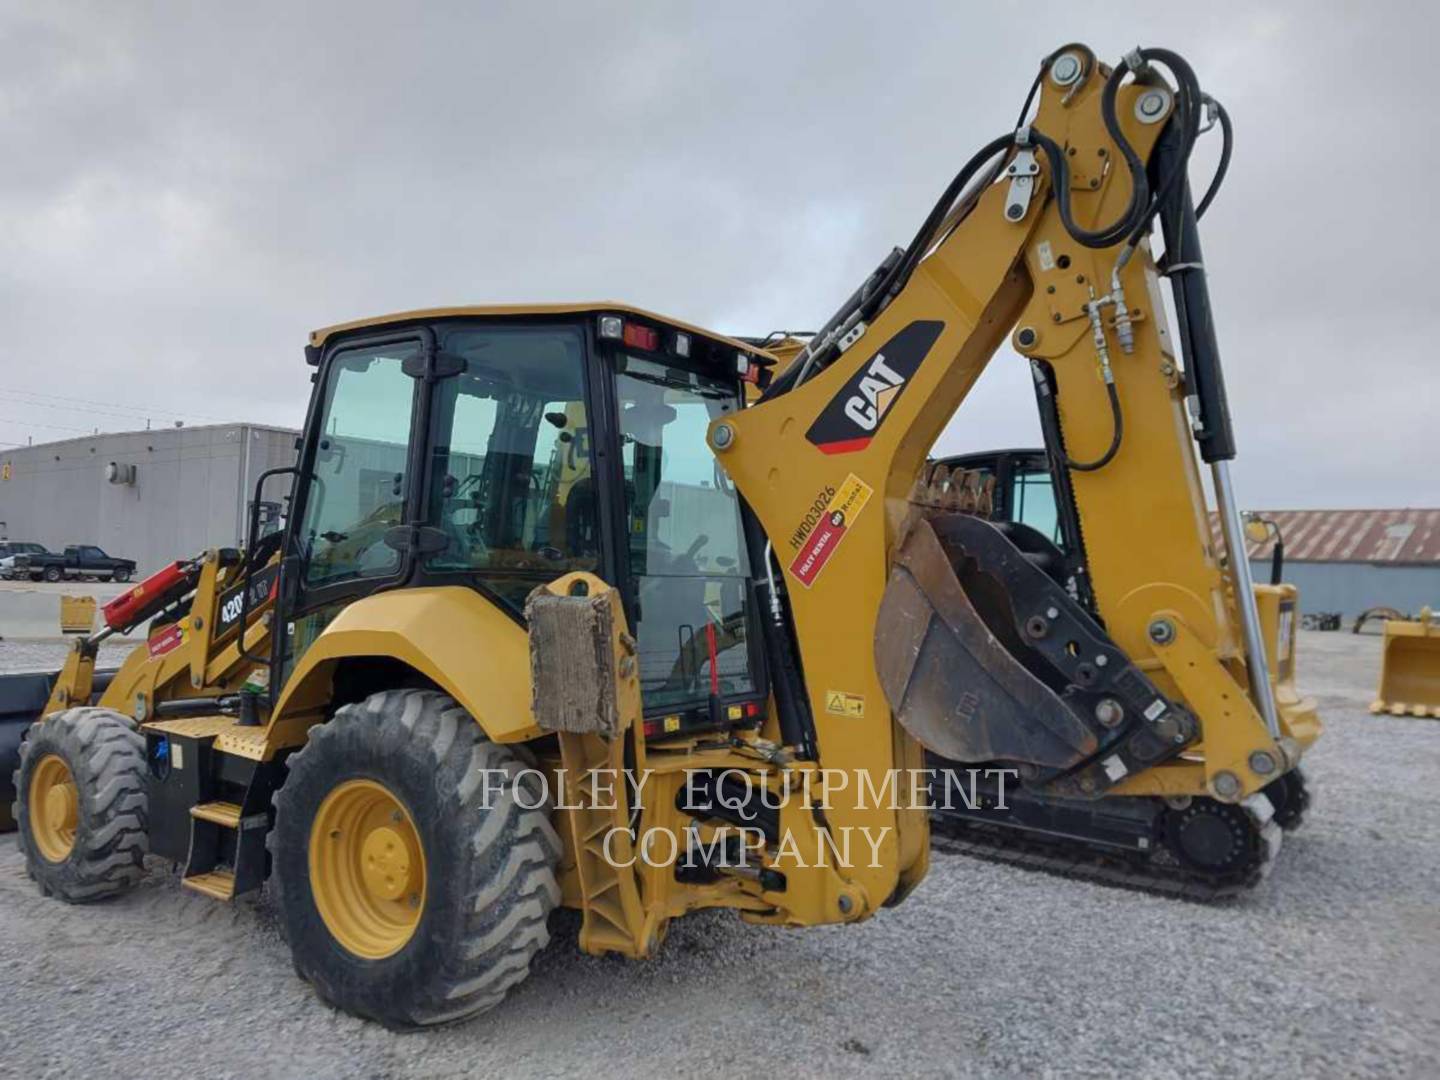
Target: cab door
[(358, 485)]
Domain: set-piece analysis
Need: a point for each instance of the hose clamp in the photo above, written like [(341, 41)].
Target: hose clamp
[(1136, 63)]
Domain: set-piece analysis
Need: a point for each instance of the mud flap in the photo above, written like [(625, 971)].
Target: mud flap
[(1410, 668), (984, 658)]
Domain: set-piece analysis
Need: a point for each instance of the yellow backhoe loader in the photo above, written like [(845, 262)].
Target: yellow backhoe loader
[(558, 618)]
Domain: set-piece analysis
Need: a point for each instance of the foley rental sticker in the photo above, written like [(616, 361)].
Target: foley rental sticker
[(819, 543)]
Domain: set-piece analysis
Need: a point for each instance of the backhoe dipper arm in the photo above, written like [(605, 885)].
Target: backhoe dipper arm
[(1055, 250)]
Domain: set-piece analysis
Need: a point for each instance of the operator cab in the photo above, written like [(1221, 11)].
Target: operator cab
[(499, 448)]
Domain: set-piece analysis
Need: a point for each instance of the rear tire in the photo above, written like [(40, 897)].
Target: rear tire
[(487, 883), (52, 574), (95, 848)]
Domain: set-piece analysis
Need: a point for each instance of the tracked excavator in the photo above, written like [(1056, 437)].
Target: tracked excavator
[(559, 618)]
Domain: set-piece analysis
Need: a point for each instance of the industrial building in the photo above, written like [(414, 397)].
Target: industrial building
[(152, 496), (1346, 561)]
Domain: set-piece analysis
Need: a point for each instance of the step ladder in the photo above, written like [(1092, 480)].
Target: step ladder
[(212, 767)]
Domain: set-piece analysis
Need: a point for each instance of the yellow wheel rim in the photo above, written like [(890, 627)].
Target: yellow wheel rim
[(367, 869), (54, 804)]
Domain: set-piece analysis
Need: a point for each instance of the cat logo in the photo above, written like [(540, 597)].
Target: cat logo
[(877, 390), (851, 419)]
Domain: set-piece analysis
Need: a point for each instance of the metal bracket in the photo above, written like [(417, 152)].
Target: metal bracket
[(851, 336), (421, 539), (1022, 172), (433, 364)]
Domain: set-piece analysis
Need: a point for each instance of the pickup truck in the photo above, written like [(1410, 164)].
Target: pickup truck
[(79, 561), (10, 548)]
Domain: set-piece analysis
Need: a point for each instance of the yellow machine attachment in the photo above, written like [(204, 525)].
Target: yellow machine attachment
[(1410, 668), (1140, 666)]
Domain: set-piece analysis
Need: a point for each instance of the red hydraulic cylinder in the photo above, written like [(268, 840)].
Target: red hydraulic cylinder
[(149, 596)]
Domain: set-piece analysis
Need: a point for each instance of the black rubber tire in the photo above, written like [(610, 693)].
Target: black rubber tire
[(120, 576), (491, 882), (106, 756), (52, 574)]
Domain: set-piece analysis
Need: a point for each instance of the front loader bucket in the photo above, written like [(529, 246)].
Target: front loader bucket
[(1410, 668), (22, 700), (984, 657)]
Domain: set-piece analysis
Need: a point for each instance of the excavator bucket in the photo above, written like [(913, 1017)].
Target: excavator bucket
[(984, 657), (1410, 668)]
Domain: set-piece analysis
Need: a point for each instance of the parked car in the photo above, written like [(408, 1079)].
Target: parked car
[(11, 548), (79, 561)]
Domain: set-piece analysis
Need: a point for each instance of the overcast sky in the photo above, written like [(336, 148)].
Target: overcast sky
[(188, 189)]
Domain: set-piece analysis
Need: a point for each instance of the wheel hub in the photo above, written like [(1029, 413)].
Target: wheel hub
[(385, 863), (54, 804), (367, 869)]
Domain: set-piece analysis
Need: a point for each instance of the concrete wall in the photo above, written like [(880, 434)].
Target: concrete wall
[(191, 490), (1350, 588)]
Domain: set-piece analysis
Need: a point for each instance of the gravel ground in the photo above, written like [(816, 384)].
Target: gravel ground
[(1327, 968)]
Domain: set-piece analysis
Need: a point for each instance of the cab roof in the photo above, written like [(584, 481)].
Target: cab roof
[(608, 307)]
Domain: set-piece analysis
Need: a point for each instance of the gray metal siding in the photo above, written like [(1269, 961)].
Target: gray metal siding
[(188, 493), (1350, 588)]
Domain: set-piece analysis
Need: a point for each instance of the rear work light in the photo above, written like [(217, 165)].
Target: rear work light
[(611, 326)]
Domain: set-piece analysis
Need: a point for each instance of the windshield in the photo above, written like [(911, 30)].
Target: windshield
[(686, 548)]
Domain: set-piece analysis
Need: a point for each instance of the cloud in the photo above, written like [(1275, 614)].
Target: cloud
[(189, 190)]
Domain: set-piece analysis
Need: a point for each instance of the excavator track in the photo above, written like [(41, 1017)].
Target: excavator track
[(1153, 863)]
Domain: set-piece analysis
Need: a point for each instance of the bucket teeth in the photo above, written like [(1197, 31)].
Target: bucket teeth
[(939, 489)]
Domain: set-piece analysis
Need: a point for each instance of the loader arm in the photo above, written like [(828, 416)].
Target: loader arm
[(830, 457)]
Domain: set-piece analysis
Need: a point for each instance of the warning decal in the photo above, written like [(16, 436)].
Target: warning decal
[(842, 704), (840, 513)]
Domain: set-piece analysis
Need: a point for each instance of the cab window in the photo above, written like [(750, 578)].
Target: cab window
[(1032, 502), (357, 484), (510, 483), (686, 550)]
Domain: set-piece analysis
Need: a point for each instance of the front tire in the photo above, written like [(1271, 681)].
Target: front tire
[(121, 575), (81, 804), (413, 883)]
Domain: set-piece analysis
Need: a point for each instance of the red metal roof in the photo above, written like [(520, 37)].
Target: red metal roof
[(1370, 536)]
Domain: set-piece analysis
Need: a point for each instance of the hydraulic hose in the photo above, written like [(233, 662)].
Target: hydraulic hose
[(1227, 145), (1129, 227), (1187, 116), (1117, 435), (899, 276)]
